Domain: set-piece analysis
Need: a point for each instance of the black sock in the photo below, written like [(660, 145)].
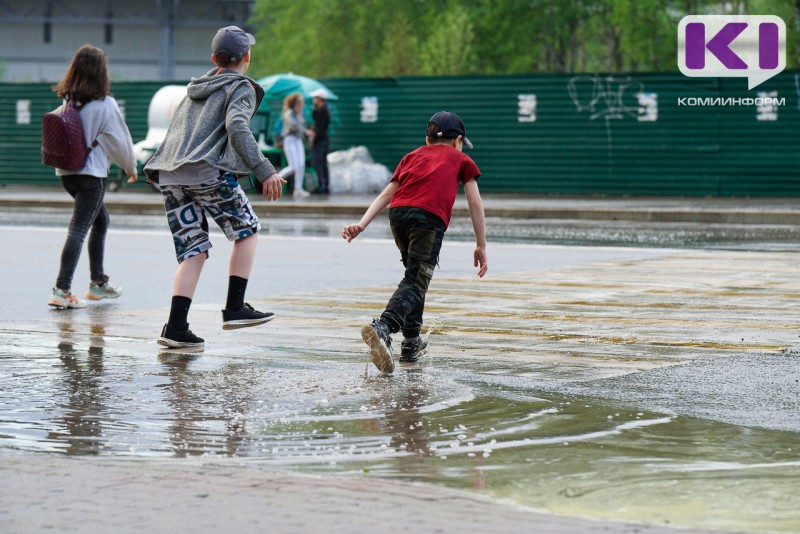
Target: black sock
[(179, 312), (236, 288)]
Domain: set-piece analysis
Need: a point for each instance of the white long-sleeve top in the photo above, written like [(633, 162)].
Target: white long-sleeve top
[(103, 121)]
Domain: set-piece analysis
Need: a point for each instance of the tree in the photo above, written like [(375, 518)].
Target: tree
[(384, 38), (399, 51), (448, 49), (337, 37)]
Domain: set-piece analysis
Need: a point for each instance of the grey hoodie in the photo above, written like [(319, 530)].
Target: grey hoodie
[(212, 124)]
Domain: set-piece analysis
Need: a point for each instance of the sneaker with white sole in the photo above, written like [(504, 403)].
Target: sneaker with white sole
[(376, 336), (174, 338), (245, 317), (62, 300), (102, 290), (301, 193)]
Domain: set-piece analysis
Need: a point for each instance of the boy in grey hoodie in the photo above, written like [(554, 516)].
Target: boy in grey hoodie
[(208, 146)]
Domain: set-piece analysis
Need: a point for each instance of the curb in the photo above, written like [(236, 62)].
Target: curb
[(706, 216), (775, 217)]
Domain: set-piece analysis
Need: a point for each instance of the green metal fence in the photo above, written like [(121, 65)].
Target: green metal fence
[(614, 134), (21, 108), (637, 134)]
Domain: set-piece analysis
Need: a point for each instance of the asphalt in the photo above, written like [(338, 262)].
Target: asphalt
[(742, 309), (745, 211)]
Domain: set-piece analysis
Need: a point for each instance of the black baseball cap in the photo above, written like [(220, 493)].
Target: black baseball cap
[(450, 126), (232, 40)]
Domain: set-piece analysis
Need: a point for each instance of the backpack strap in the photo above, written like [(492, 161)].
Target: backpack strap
[(76, 105)]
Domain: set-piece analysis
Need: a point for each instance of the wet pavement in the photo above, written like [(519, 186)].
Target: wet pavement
[(720, 223), (650, 385)]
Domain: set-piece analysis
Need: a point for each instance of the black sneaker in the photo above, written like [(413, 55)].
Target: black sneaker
[(245, 317), (376, 335), (412, 349), (170, 337)]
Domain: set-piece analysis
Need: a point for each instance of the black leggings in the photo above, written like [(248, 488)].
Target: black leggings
[(89, 212)]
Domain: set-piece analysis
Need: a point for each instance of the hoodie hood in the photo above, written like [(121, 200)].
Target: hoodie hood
[(221, 79), (212, 125)]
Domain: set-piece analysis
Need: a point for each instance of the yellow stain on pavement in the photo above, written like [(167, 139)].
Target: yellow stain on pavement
[(638, 313)]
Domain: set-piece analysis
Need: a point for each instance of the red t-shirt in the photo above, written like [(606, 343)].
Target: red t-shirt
[(428, 178)]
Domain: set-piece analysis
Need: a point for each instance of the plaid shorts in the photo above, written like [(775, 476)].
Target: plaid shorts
[(187, 205)]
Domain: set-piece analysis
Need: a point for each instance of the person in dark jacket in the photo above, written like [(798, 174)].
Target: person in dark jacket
[(208, 146), (320, 145)]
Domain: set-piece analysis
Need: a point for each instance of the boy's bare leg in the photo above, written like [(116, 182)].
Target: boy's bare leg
[(187, 275), (243, 256)]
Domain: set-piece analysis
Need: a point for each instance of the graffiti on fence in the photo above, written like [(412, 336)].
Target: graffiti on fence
[(612, 98)]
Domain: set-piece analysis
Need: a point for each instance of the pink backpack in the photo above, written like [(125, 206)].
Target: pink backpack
[(63, 142)]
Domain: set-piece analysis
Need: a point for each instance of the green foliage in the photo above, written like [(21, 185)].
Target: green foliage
[(384, 38), (447, 50), (398, 54)]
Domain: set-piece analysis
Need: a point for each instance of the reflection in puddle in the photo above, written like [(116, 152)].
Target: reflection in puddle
[(82, 415), (460, 424)]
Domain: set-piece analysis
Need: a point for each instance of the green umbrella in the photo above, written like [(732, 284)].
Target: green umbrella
[(277, 86)]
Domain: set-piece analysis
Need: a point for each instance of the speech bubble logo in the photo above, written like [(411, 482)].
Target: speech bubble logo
[(732, 46)]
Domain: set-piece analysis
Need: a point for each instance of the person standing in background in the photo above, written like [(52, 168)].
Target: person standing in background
[(294, 128), (320, 145), (86, 84)]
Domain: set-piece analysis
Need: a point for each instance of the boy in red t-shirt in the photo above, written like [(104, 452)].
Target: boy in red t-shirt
[(420, 197)]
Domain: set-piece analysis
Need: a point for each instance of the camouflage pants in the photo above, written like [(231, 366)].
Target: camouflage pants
[(418, 234)]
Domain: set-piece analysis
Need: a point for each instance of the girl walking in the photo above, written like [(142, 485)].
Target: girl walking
[(294, 127), (86, 84)]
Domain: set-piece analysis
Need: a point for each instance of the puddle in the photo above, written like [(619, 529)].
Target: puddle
[(516, 432)]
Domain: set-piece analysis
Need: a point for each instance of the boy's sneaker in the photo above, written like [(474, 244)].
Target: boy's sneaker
[(376, 335), (245, 317), (102, 290), (412, 349), (173, 338), (62, 300)]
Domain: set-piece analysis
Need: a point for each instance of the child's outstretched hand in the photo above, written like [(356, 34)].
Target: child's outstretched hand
[(271, 187), (351, 231), (480, 261)]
